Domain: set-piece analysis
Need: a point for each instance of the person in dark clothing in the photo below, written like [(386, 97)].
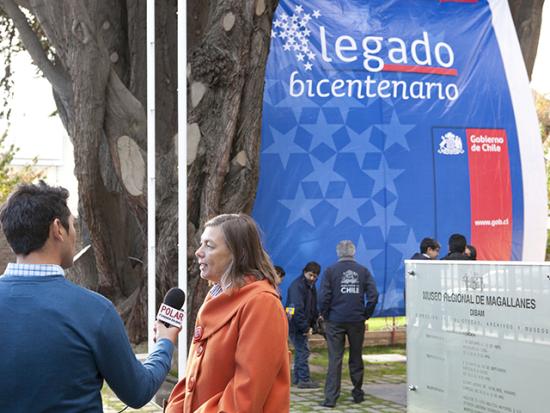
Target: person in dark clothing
[(301, 308), (471, 252), (62, 342), (457, 247), (342, 305), (429, 250), (280, 272)]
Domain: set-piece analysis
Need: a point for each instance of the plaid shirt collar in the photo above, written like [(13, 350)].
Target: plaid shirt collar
[(21, 270), (216, 290)]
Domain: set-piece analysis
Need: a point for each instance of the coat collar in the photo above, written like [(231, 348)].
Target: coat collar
[(217, 311)]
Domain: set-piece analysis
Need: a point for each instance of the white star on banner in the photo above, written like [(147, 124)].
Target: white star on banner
[(359, 144), (347, 206), (408, 248), (384, 218), (395, 132), (294, 27), (283, 145), (323, 173), (365, 255), (322, 132), (300, 207), (384, 177)]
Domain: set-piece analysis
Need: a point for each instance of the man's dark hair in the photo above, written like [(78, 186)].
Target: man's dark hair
[(280, 271), (457, 243), (428, 243), (313, 267), (27, 214)]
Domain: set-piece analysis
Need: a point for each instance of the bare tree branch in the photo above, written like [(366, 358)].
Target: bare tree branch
[(56, 75)]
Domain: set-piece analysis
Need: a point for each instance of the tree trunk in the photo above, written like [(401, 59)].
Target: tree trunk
[(98, 75), (527, 15)]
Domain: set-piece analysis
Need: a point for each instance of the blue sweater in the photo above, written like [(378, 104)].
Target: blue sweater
[(60, 341)]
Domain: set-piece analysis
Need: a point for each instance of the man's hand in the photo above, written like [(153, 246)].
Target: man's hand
[(161, 331)]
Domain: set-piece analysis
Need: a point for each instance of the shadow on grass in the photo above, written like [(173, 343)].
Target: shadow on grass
[(374, 372)]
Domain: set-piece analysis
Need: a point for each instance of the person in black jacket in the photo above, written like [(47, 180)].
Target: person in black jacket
[(429, 250), (344, 287), (457, 248), (301, 308)]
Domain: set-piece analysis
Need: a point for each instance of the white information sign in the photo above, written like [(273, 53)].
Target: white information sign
[(478, 337)]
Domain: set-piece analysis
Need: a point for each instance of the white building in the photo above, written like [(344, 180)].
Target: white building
[(37, 130)]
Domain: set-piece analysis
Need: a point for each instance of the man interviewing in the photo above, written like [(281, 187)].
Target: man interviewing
[(60, 341)]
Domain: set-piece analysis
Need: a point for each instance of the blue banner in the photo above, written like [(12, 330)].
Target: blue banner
[(365, 105)]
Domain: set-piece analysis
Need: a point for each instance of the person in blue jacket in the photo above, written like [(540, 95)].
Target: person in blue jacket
[(429, 250), (60, 342), (348, 297), (301, 308)]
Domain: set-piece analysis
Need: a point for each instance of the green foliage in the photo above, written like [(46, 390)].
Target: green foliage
[(386, 323), (10, 177), (542, 105), (374, 371)]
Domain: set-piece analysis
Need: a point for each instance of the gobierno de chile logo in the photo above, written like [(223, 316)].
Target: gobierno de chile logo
[(421, 55)]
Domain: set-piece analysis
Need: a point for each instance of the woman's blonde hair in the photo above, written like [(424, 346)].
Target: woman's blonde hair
[(242, 237)]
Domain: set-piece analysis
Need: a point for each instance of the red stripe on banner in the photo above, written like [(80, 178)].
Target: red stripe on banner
[(420, 69), (490, 193)]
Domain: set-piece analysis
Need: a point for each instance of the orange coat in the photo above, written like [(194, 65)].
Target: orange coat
[(238, 361)]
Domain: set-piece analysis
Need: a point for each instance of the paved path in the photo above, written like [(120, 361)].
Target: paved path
[(386, 396)]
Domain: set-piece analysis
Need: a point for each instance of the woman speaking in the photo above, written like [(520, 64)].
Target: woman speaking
[(238, 360)]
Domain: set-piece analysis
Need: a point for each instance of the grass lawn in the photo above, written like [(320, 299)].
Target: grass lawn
[(386, 323), (374, 372)]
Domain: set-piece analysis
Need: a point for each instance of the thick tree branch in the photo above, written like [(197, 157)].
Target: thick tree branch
[(23, 3), (56, 76)]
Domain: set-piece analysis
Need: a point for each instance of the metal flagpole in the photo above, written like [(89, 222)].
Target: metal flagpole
[(182, 175), (151, 177)]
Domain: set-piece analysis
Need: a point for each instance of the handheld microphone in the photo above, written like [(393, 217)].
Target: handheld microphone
[(170, 312)]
